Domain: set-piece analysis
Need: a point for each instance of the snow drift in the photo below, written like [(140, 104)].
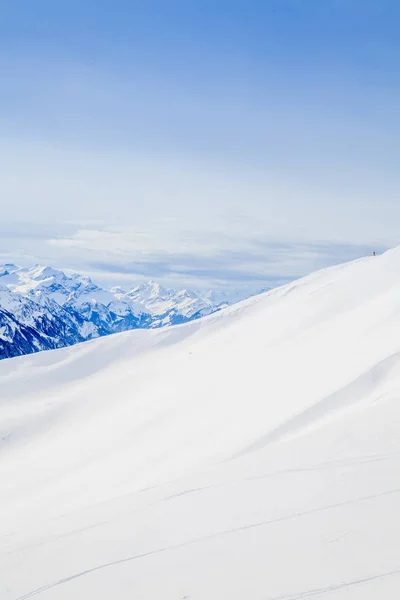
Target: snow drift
[(252, 454)]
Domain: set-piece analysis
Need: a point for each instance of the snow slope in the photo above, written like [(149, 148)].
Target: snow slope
[(254, 453)]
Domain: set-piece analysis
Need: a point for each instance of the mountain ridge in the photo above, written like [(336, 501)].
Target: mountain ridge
[(80, 310)]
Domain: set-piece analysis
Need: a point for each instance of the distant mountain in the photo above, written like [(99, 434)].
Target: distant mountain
[(226, 298), (27, 326), (168, 307), (99, 310), (43, 308)]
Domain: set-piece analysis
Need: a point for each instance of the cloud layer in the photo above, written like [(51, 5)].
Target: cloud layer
[(198, 259)]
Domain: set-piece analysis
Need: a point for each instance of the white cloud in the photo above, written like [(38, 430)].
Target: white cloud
[(218, 257)]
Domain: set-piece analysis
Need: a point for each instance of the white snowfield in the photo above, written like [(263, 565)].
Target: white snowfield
[(254, 454)]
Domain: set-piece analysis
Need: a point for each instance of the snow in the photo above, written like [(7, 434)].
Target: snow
[(146, 305), (17, 305), (229, 296), (159, 302), (254, 453), (39, 279)]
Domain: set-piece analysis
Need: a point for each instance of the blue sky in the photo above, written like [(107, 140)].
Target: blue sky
[(207, 143)]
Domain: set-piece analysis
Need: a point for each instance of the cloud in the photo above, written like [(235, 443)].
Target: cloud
[(201, 258), (223, 253)]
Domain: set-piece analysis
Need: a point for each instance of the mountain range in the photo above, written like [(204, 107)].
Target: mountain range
[(42, 308)]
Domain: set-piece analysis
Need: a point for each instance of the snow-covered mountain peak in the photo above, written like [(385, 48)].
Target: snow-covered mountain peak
[(168, 306), (43, 273), (94, 310), (148, 292), (27, 280), (185, 294)]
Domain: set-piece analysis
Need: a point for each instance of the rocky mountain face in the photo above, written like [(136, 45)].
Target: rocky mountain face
[(27, 326)]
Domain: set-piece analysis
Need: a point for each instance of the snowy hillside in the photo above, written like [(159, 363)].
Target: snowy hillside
[(85, 310), (252, 454)]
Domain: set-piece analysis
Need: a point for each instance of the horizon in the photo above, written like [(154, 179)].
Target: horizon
[(202, 292), (130, 284), (217, 145)]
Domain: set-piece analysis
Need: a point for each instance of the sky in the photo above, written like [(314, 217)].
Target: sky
[(217, 144)]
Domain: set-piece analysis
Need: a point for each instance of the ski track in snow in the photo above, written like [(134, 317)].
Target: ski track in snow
[(230, 532), (296, 596), (335, 587)]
